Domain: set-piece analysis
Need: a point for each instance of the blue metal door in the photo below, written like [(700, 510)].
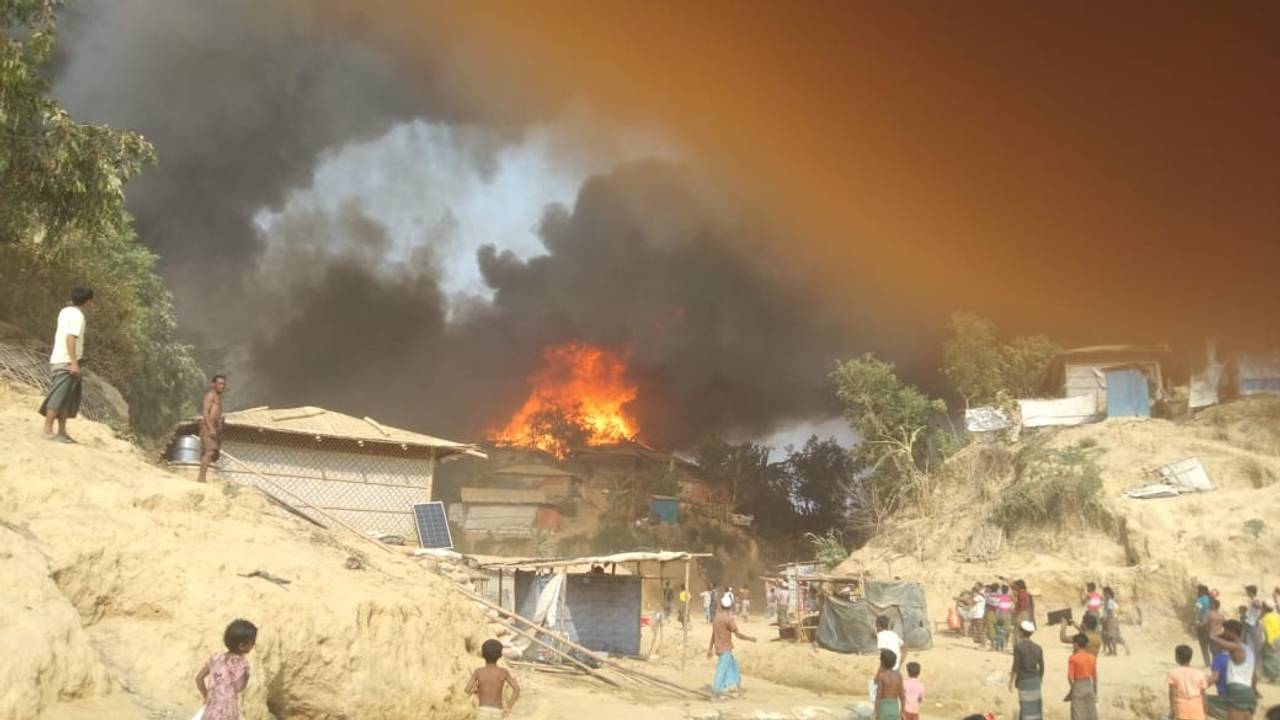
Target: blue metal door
[(1127, 394)]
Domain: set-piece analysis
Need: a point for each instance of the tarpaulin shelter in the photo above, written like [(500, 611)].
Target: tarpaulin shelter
[(849, 626)]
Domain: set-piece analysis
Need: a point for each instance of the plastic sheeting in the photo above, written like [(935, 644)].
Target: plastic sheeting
[(985, 419), (850, 626), (1258, 373), (1063, 411)]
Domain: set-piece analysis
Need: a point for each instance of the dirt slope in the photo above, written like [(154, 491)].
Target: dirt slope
[(1153, 552), (118, 577)]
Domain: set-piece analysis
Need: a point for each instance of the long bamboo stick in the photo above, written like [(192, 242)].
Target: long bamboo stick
[(589, 653), (589, 670)]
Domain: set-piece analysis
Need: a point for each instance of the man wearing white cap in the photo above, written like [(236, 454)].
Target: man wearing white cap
[(1027, 674), (723, 629)]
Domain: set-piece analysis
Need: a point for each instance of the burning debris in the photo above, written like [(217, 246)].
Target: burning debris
[(576, 399)]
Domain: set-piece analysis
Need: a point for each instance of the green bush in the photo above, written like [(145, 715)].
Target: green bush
[(1052, 487)]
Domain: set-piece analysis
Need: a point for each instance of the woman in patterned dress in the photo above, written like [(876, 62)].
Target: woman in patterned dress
[(226, 675)]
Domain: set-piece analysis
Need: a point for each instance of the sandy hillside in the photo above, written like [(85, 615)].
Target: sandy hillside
[(1153, 552), (119, 577)]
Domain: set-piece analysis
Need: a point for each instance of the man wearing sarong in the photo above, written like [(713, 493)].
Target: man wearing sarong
[(1082, 675), (1242, 682), (1024, 604), (66, 384), (211, 424), (1027, 675), (723, 630), (888, 685)]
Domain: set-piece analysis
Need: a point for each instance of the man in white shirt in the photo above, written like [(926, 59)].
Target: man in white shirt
[(887, 639), (63, 400)]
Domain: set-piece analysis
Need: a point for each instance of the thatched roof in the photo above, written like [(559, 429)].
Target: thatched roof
[(314, 422)]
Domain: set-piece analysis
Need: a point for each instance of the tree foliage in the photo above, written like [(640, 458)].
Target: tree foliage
[(756, 486), (980, 368), (63, 223), (902, 439), (818, 477)]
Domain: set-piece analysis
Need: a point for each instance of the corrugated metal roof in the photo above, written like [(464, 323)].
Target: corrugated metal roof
[(626, 557), (533, 469), (319, 422), (503, 496)]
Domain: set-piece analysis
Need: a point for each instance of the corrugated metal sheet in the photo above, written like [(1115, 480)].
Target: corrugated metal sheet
[(501, 519), (1127, 394), (503, 496)]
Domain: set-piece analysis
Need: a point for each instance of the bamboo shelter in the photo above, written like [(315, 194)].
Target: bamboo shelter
[(367, 474)]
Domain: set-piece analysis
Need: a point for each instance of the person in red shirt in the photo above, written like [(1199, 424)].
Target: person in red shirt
[(1082, 675)]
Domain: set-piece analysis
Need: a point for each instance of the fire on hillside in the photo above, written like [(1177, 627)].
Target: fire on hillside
[(579, 397)]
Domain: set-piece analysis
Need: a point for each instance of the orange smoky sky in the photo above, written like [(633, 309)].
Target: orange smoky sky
[(1096, 170)]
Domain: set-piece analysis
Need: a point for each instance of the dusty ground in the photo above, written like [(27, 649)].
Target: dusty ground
[(117, 576)]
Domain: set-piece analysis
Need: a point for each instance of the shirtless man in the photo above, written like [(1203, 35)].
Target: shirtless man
[(487, 684), (888, 688), (211, 424)]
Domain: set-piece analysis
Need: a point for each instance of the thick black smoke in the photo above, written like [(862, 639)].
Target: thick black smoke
[(242, 98)]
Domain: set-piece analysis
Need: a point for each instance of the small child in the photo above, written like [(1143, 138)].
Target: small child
[(487, 684), (226, 675), (1187, 699), (912, 693)]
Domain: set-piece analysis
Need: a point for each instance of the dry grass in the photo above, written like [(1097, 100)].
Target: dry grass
[(1258, 474)]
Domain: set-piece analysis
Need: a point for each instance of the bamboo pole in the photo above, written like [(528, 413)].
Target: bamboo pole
[(688, 595), (598, 658), (382, 546), (581, 665)]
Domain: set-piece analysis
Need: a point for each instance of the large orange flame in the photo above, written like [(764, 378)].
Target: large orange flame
[(580, 393)]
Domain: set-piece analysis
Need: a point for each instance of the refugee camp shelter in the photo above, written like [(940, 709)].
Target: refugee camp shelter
[(1123, 380), (319, 462), (505, 511), (1257, 373), (849, 626), (596, 601), (665, 507), (555, 482)]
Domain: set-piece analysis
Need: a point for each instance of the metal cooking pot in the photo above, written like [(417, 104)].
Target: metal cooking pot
[(186, 450)]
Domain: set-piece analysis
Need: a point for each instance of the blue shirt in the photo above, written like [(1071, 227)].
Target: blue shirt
[(1219, 666), (1202, 608)]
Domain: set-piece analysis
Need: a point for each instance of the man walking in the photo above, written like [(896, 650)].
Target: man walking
[(1027, 675), (211, 424), (723, 630), (66, 384)]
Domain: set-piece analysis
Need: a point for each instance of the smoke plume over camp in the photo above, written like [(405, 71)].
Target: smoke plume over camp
[(243, 100), (846, 180)]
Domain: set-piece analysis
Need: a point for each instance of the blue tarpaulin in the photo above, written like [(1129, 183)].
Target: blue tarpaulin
[(666, 509), (1127, 394)]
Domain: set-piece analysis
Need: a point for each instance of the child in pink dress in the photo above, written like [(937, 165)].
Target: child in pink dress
[(227, 674)]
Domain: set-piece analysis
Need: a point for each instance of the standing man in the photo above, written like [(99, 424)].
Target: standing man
[(723, 630), (211, 424), (745, 594), (684, 607), (887, 639), (66, 383), (1027, 674)]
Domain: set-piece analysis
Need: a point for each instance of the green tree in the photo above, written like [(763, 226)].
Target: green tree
[(63, 222), (756, 486), (1026, 362), (972, 361), (981, 368), (818, 477), (902, 439)]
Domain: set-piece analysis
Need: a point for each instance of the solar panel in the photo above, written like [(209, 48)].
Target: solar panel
[(433, 527)]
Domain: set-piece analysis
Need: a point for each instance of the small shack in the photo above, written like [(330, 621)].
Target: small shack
[(554, 482), (665, 508), (504, 511), (1122, 380), (364, 473), (596, 602), (849, 626), (1257, 373)]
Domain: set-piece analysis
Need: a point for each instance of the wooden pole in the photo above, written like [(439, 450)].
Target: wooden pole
[(532, 638), (688, 595), (623, 669), (324, 514)]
